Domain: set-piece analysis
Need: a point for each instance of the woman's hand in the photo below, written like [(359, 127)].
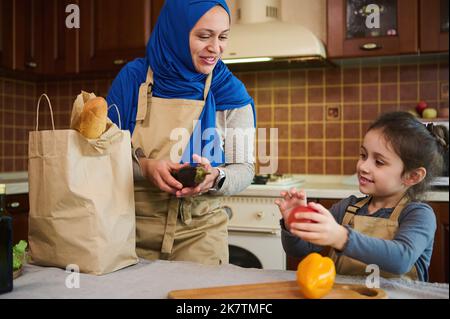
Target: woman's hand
[(291, 199), (206, 185), (324, 231), (159, 173)]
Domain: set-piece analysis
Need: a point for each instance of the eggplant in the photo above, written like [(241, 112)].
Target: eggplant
[(191, 176)]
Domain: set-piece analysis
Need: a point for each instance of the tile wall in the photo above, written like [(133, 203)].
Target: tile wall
[(321, 114)]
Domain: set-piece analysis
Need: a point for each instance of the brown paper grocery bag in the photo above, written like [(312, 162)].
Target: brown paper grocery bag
[(81, 199)]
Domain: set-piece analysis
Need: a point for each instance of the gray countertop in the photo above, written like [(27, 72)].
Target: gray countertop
[(16, 182), (155, 279), (325, 186)]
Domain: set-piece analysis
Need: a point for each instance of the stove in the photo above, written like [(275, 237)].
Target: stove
[(282, 180)]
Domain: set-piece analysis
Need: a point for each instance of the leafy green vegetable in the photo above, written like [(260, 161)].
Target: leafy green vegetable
[(19, 254)]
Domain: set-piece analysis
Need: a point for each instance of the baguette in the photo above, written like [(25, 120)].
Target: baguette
[(93, 118)]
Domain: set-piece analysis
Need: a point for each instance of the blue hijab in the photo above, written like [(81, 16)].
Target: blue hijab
[(168, 55)]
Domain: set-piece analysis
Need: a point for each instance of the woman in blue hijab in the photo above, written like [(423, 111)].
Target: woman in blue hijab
[(181, 103)]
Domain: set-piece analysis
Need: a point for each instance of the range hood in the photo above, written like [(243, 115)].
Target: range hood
[(259, 36)]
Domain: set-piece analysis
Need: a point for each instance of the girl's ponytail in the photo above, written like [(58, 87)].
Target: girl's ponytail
[(440, 134)]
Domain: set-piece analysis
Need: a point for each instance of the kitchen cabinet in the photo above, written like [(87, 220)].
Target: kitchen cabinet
[(114, 32), (34, 36), (353, 30), (61, 43), (439, 262), (22, 39), (439, 266), (17, 206), (434, 25)]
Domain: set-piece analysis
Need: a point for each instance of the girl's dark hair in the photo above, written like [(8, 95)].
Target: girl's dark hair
[(417, 144)]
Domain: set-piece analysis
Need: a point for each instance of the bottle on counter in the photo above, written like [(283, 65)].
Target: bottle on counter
[(6, 252)]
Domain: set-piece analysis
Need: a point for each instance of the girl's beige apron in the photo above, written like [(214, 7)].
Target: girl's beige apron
[(192, 228), (383, 228)]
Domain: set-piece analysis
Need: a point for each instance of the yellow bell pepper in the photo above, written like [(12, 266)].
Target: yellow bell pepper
[(315, 276)]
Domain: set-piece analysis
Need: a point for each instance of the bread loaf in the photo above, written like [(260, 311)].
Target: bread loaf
[(93, 118)]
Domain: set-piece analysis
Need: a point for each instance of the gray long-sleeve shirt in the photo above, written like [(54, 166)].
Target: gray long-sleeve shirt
[(412, 244)]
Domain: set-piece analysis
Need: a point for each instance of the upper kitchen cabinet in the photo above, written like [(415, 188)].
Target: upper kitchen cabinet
[(434, 25), (22, 34), (35, 36), (60, 42), (114, 32), (358, 28)]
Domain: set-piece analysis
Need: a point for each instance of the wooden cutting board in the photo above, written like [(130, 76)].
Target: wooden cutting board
[(276, 290)]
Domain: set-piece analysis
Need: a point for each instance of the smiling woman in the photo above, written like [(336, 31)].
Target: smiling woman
[(182, 85), (208, 39)]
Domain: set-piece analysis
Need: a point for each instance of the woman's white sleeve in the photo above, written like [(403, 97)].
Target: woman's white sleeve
[(238, 131)]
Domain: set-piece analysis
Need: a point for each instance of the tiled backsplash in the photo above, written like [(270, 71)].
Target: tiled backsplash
[(321, 114)]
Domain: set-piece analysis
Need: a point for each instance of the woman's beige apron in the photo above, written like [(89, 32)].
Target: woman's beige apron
[(383, 228), (191, 228)]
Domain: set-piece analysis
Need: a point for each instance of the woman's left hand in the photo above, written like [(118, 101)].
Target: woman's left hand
[(206, 185), (325, 231)]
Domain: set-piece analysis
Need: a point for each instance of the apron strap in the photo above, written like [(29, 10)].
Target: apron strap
[(399, 208), (353, 209), (169, 231), (144, 90), (177, 207)]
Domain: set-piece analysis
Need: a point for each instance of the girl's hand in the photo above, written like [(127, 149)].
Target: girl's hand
[(324, 232), (159, 173), (206, 185), (291, 199)]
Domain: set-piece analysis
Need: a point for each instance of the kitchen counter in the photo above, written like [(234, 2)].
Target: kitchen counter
[(16, 182), (155, 279), (316, 186), (325, 186)]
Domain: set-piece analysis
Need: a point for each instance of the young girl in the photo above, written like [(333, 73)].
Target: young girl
[(390, 227)]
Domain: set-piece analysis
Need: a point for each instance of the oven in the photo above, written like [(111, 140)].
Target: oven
[(254, 224), (254, 232)]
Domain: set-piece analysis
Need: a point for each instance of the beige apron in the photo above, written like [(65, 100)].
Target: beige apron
[(191, 228), (383, 228)]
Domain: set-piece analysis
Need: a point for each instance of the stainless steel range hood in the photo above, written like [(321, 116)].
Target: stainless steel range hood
[(259, 36)]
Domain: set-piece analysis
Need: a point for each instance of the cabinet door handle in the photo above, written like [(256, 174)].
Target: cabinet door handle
[(370, 46), (119, 62), (13, 205), (31, 65)]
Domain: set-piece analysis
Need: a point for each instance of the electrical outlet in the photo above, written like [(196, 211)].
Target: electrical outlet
[(333, 112)]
